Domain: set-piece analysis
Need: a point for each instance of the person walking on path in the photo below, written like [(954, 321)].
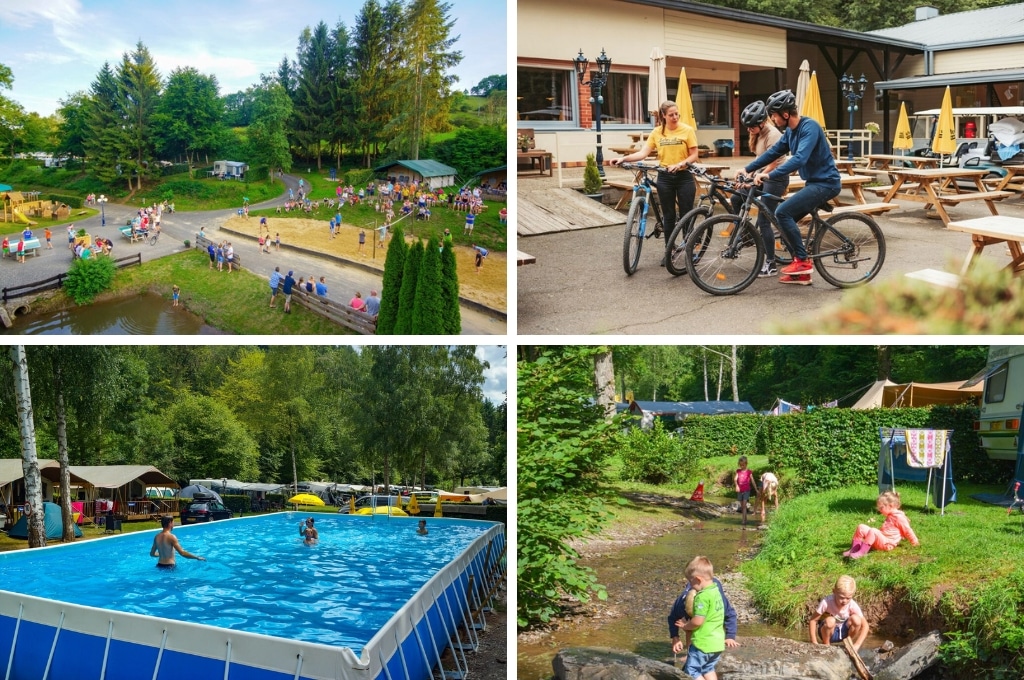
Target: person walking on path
[(275, 281), (48, 234), (362, 239)]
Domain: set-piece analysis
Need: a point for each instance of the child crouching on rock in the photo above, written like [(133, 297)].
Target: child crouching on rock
[(707, 624), (838, 616), (895, 527)]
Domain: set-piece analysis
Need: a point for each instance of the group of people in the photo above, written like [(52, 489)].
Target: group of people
[(775, 128), (220, 254)]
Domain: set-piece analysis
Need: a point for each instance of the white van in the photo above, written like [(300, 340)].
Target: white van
[(998, 423)]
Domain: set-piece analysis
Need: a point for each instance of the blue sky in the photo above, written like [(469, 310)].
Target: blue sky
[(56, 47), (495, 377)]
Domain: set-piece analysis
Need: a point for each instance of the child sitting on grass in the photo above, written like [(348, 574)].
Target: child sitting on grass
[(895, 527), (708, 623), (838, 616)]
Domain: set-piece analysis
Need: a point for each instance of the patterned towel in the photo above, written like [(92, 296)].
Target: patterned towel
[(926, 448)]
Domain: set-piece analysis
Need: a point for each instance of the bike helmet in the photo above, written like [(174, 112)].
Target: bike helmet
[(754, 114), (783, 100)]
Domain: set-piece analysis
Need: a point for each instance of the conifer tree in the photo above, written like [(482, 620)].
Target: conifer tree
[(428, 308), (390, 293), (407, 298), (450, 291)]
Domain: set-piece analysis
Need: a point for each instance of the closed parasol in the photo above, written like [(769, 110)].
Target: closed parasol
[(684, 102), (904, 139), (657, 90), (802, 82), (944, 140), (812, 104)]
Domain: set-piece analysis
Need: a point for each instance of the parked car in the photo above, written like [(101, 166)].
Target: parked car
[(204, 510)]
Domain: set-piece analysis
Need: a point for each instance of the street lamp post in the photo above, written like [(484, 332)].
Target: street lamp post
[(597, 80), (853, 90), (102, 200)]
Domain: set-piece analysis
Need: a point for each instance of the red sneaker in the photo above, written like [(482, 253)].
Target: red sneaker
[(798, 279), (797, 266)]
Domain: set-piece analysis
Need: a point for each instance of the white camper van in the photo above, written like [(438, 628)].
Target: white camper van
[(998, 423)]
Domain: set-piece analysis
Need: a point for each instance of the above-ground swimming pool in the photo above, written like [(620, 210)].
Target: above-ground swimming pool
[(372, 600)]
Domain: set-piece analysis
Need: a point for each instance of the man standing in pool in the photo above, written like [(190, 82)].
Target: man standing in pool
[(421, 529), (308, 532), (165, 543)]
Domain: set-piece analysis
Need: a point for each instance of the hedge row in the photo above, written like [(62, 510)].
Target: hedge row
[(828, 448), (71, 201)]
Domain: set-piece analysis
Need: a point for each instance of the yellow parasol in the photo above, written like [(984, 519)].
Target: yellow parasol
[(414, 506), (398, 502), (352, 504), (812, 103), (904, 137), (305, 499), (437, 508), (683, 101), (944, 140)]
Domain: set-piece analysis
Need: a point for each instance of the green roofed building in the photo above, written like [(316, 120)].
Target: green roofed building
[(432, 173)]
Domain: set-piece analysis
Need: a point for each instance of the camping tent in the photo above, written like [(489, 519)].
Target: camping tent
[(53, 522), (888, 394)]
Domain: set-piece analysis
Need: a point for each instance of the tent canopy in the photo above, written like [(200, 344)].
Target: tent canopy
[(53, 522), (11, 471), (116, 476), (887, 394)]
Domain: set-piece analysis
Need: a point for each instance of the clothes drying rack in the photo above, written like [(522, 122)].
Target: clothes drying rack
[(891, 435)]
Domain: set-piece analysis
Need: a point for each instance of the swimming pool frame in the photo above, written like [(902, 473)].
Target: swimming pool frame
[(42, 639)]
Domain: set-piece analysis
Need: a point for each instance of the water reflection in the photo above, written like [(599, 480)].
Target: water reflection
[(146, 314)]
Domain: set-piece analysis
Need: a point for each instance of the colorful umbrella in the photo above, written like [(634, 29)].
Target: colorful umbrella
[(657, 90), (904, 137), (683, 101), (802, 82), (812, 104), (305, 499), (944, 140)]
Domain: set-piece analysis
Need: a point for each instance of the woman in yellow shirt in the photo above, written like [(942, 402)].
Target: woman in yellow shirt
[(676, 144)]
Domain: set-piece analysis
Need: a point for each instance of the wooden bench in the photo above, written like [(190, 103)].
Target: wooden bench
[(627, 191), (935, 277), (883, 190), (954, 199), (524, 258)]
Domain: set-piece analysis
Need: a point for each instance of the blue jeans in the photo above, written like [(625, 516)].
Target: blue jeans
[(775, 187), (796, 207)]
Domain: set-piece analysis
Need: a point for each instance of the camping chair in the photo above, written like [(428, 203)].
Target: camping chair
[(111, 523)]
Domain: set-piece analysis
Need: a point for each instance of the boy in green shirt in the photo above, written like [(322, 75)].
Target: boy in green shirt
[(707, 625)]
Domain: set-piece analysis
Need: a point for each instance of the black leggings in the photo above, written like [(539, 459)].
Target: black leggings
[(675, 188)]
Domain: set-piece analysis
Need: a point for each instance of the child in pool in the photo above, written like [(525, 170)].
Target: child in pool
[(895, 527)]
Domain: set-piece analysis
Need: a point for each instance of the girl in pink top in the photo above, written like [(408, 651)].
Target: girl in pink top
[(744, 482), (895, 527)]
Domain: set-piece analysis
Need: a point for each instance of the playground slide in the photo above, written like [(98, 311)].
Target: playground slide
[(21, 217)]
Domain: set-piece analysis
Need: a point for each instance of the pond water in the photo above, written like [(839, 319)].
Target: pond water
[(145, 314), (643, 582)]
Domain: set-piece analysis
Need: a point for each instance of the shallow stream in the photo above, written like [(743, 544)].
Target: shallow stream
[(147, 314)]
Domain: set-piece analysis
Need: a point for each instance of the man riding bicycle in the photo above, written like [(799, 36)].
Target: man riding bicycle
[(811, 154)]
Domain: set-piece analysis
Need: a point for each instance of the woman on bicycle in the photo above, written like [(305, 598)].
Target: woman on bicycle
[(676, 144), (811, 154), (762, 136)]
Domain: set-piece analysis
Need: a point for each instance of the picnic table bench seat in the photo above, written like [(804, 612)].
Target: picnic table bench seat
[(953, 199)]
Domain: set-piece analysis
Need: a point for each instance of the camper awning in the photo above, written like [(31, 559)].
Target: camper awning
[(887, 394), (116, 476), (983, 374)]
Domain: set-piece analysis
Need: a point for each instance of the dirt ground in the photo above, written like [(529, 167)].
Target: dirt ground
[(490, 660), (488, 286)]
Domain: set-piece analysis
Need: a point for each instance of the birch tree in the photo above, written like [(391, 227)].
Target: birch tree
[(30, 463)]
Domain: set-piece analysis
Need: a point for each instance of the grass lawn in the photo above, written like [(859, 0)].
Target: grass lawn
[(236, 302), (207, 193), (58, 227)]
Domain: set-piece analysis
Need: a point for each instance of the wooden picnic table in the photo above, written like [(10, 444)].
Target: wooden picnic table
[(855, 183), (1012, 173), (846, 165), (932, 184), (887, 161), (993, 230), (535, 158), (524, 258)]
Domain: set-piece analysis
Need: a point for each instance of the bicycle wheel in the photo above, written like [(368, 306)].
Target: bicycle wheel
[(724, 255), (849, 250), (675, 244), (153, 239), (633, 241)]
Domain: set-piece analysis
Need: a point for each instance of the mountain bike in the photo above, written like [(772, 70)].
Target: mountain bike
[(716, 193), (636, 219), (155, 236), (725, 252)]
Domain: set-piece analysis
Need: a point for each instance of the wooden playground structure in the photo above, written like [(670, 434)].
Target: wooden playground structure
[(20, 207)]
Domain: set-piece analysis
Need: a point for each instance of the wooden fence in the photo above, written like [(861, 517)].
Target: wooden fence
[(54, 282)]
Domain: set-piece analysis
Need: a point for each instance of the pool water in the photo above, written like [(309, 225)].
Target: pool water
[(259, 577)]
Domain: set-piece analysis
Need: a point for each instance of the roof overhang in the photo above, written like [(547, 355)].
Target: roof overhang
[(952, 79)]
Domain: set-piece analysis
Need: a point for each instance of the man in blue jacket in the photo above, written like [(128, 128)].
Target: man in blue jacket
[(811, 154), (679, 613)]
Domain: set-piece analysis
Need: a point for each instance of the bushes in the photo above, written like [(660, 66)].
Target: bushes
[(88, 278), (653, 456), (359, 177), (238, 504), (71, 201)]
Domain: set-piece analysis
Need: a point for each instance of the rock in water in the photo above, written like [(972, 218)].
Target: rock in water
[(771, 658), (599, 663), (910, 661)]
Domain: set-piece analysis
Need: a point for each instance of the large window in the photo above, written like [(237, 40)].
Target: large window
[(711, 104), (625, 99), (544, 94)]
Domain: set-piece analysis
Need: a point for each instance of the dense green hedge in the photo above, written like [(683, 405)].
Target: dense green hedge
[(71, 201), (238, 504), (828, 448)]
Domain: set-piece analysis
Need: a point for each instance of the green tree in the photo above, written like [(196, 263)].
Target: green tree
[(489, 84), (73, 129), (209, 442), (104, 141), (471, 151), (88, 278), (268, 138), (12, 115), (138, 95), (407, 296), (452, 313), (313, 111), (390, 293), (428, 312), (375, 59), (188, 120)]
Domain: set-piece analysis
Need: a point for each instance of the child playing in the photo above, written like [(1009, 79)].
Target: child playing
[(708, 623), (769, 489), (175, 291), (842, 616), (743, 484), (895, 527)]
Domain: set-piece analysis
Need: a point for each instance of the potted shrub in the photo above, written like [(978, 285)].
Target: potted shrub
[(592, 181)]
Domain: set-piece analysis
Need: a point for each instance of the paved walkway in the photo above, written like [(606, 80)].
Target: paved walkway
[(343, 280)]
